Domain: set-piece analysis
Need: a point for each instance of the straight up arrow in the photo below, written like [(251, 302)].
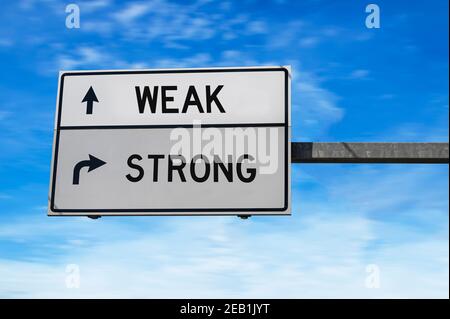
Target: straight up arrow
[(89, 98)]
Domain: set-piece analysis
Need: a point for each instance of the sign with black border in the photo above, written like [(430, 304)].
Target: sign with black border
[(57, 210)]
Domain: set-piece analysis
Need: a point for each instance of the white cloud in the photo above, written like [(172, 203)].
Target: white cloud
[(104, 28), (84, 56), (309, 42), (320, 256), (197, 60), (25, 135), (172, 23), (93, 5), (320, 252), (359, 74), (317, 107), (93, 58), (237, 58), (287, 35), (257, 27), (4, 196), (203, 258), (133, 11), (387, 96)]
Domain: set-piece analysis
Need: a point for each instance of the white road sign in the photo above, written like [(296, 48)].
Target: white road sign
[(172, 142)]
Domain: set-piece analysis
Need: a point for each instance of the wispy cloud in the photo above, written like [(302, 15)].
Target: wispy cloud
[(85, 56), (197, 60), (359, 74), (257, 27), (133, 11), (227, 257), (4, 115), (309, 42), (4, 196), (317, 107)]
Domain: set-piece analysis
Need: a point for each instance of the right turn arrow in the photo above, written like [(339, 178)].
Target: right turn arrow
[(89, 98), (93, 163)]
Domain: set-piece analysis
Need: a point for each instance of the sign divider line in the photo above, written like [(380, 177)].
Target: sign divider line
[(156, 126)]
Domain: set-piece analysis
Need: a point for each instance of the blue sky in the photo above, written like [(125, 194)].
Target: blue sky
[(349, 83)]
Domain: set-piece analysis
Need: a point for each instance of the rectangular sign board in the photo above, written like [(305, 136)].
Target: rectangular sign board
[(172, 142)]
